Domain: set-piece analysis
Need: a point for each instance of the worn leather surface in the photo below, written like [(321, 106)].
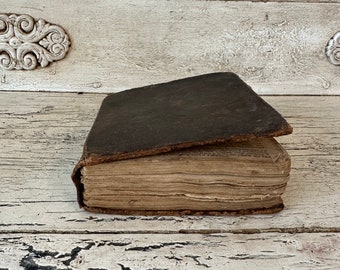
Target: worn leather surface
[(274, 208), (206, 109)]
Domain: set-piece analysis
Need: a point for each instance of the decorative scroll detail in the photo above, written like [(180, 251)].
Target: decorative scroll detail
[(333, 49), (26, 43)]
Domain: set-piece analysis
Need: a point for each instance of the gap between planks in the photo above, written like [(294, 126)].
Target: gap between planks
[(293, 230)]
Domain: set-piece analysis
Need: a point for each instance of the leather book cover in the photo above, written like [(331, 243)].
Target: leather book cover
[(206, 109)]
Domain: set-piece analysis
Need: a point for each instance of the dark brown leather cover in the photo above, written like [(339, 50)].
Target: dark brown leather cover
[(206, 109)]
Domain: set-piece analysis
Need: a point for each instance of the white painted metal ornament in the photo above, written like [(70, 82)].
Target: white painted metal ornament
[(26, 43), (333, 49)]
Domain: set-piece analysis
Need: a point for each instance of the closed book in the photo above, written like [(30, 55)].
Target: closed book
[(199, 145)]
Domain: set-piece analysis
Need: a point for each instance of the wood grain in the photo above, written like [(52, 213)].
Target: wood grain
[(41, 226), (41, 140), (276, 47), (175, 251)]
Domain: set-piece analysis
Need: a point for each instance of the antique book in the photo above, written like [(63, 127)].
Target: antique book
[(199, 145)]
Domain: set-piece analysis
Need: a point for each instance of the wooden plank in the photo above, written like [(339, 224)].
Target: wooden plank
[(41, 140), (278, 48), (175, 251)]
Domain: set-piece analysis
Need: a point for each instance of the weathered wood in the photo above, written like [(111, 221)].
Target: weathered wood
[(176, 251), (41, 140), (278, 48)]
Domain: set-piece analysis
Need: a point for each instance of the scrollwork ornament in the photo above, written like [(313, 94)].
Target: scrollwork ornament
[(333, 49), (26, 43)]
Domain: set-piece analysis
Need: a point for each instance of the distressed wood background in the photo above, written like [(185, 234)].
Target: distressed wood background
[(41, 225), (277, 47)]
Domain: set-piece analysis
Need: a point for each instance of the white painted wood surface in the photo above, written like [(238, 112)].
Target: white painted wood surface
[(41, 140), (41, 137), (171, 251), (277, 47)]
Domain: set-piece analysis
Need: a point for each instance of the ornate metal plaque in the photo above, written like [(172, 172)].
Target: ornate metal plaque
[(333, 49), (26, 43)]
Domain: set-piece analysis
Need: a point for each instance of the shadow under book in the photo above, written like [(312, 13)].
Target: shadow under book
[(201, 145)]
